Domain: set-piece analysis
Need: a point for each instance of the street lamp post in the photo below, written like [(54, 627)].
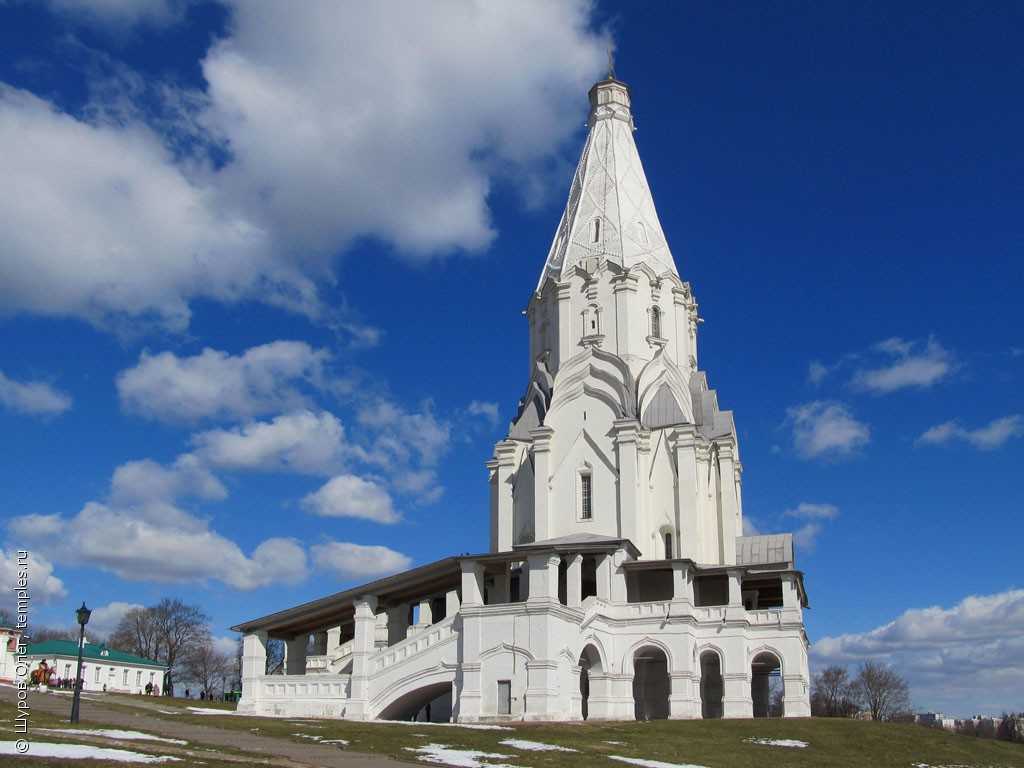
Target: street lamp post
[(82, 614)]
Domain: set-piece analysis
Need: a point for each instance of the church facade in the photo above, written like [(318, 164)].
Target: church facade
[(618, 583)]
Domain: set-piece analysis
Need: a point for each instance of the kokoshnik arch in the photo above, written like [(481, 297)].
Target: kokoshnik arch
[(618, 583)]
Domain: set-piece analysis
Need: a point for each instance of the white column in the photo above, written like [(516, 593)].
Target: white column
[(618, 577), (499, 593), (604, 576), (467, 697), (730, 505), (543, 576), (451, 603), (735, 610), (625, 431), (295, 655), (254, 667), (688, 522), (574, 581), (504, 465), (398, 623), (362, 647), (682, 588), (333, 638), (542, 527)]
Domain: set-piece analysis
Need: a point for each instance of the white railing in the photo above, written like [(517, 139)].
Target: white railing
[(304, 687), (415, 645), (765, 616), (316, 664), (710, 613), (656, 609)]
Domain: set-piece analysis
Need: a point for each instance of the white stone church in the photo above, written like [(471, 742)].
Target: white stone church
[(618, 584)]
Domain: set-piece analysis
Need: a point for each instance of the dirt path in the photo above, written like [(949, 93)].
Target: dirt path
[(197, 735)]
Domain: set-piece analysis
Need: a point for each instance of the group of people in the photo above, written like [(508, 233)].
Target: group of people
[(152, 690), (203, 695)]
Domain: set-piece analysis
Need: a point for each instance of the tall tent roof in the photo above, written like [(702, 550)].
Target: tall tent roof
[(610, 212)]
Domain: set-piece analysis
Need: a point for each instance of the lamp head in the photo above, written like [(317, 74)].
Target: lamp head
[(83, 615)]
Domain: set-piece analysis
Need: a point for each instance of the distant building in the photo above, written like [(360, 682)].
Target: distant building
[(618, 583), (8, 648), (935, 720), (103, 668)]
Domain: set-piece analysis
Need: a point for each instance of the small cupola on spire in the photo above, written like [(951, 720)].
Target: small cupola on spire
[(609, 98)]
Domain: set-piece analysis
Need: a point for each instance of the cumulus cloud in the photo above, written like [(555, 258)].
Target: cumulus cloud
[(401, 117), (104, 620), (352, 496), (349, 560), (174, 547), (826, 429), (993, 435), (262, 379), (487, 410), (912, 366), (147, 480), (43, 585), (33, 397), (965, 659), (305, 441)]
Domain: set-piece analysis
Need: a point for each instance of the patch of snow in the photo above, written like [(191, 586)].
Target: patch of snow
[(169, 711), (208, 711), (651, 763), (343, 742), (441, 754), (793, 743), (308, 736), (617, 743), (534, 746), (82, 752), (112, 734)]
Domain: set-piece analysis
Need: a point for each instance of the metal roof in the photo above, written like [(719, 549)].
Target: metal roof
[(765, 550)]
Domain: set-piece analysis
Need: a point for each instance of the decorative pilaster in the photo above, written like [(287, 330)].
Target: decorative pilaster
[(541, 437), (624, 288), (730, 517), (467, 696), (566, 322), (688, 519), (625, 433), (505, 463)]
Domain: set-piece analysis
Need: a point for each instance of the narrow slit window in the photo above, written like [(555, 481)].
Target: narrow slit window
[(596, 231), (504, 697), (655, 322), (668, 546), (586, 497)]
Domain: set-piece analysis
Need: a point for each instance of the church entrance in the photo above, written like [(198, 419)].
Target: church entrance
[(711, 685), (651, 684)]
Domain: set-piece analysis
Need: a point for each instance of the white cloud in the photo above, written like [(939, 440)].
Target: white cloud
[(401, 117), (404, 435), (993, 435), (823, 429), (215, 384), (104, 620), (806, 536), (486, 409), (147, 480), (352, 496), (303, 441), (963, 660), (908, 369), (226, 645), (122, 13), (809, 511), (174, 547), (43, 586), (138, 236), (349, 560), (817, 371), (33, 397)]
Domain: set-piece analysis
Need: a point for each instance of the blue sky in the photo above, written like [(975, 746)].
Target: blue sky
[(293, 248)]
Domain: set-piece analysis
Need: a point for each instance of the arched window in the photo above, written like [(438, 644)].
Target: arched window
[(586, 495), (656, 322), (668, 546)]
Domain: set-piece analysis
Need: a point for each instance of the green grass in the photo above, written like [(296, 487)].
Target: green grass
[(712, 743)]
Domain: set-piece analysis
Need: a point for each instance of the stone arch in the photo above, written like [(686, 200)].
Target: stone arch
[(602, 655), (518, 650), (711, 666), (647, 640), (652, 682), (767, 686)]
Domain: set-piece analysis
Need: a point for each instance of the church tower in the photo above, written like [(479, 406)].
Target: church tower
[(617, 435)]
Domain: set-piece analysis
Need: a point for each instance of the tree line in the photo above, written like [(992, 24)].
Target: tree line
[(876, 690)]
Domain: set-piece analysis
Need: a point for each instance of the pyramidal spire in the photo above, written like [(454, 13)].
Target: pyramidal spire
[(610, 213)]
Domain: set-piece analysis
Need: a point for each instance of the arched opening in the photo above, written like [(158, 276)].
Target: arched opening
[(767, 688), (590, 663), (431, 704), (651, 684), (711, 687)]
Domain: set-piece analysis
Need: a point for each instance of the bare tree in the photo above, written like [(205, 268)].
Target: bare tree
[(180, 628), (881, 690), (275, 656), (831, 694), (137, 633), (207, 666), (42, 634)]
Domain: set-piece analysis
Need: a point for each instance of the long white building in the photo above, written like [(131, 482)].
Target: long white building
[(618, 583)]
